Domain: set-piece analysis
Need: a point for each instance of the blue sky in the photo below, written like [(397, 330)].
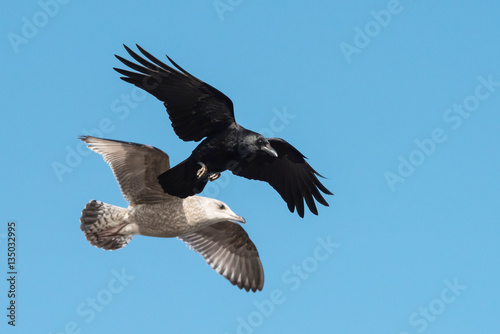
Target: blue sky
[(395, 102)]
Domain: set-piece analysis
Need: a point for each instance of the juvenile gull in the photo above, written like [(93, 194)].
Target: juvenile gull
[(207, 225), (199, 111)]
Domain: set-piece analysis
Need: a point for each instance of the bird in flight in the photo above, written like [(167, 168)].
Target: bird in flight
[(199, 111), (207, 225)]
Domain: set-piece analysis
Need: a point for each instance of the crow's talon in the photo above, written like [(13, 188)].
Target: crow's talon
[(202, 172), (213, 176)]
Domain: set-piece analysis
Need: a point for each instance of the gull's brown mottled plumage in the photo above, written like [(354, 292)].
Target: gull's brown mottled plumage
[(207, 225)]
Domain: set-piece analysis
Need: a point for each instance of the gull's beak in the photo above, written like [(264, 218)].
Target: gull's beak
[(269, 150), (238, 220)]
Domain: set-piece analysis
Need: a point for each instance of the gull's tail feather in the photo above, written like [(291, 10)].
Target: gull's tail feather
[(103, 223)]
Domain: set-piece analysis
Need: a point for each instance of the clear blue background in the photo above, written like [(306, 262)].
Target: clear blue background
[(355, 117)]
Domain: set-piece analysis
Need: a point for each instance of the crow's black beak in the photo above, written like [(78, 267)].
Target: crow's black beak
[(269, 150)]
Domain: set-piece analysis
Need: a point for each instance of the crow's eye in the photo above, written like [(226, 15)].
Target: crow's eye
[(260, 141)]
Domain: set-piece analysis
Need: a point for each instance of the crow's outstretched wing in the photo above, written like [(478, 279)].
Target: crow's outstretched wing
[(195, 108), (292, 177)]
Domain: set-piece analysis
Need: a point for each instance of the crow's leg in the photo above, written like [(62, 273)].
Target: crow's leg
[(213, 176), (202, 172)]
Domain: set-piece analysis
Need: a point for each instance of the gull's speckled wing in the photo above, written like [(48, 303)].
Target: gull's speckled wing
[(229, 251), (135, 166)]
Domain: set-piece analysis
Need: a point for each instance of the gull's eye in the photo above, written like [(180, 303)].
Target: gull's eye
[(222, 206)]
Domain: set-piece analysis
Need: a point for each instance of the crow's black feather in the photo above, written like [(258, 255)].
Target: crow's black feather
[(199, 111)]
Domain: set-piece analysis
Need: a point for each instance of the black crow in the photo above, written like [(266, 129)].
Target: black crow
[(198, 110)]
